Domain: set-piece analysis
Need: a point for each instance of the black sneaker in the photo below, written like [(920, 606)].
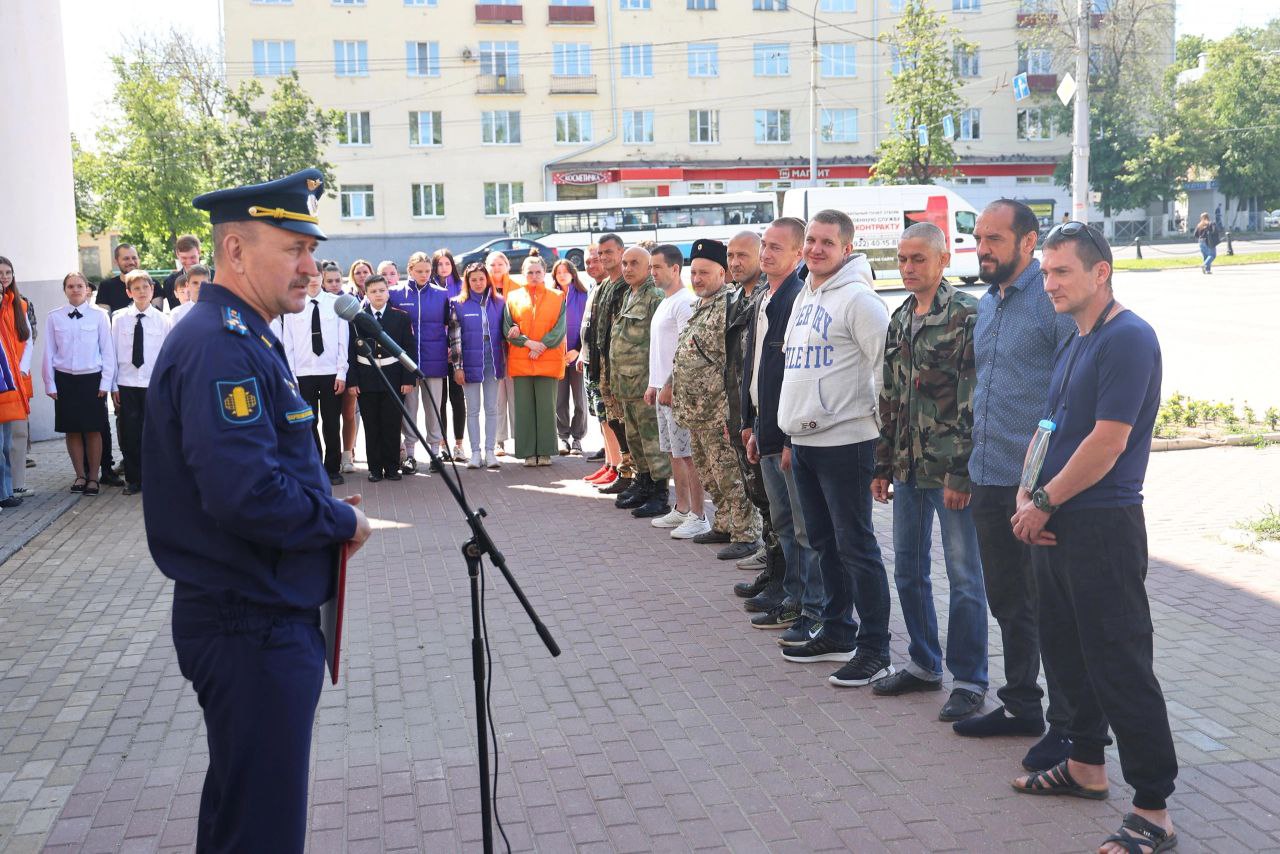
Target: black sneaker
[(392, 474), (863, 669), (337, 479), (1055, 747), (779, 618), (820, 648), (904, 682), (16, 501), (801, 632), (745, 589), (409, 466)]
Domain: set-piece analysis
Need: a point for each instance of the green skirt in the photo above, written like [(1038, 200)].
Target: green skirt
[(535, 426)]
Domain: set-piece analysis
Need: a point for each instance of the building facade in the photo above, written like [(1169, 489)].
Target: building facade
[(454, 111)]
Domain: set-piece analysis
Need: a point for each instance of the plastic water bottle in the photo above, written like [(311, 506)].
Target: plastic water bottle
[(1035, 456)]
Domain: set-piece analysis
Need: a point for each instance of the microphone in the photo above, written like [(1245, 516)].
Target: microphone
[(348, 308)]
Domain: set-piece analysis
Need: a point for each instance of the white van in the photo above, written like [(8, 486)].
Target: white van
[(881, 212)]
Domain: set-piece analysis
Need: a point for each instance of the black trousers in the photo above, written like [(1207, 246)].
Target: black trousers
[(455, 399), (319, 394), (380, 414), (133, 408), (1011, 595), (1095, 634)]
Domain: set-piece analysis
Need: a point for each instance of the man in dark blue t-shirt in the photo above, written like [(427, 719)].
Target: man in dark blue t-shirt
[(1085, 522)]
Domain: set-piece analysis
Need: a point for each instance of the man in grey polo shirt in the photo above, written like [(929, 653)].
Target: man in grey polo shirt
[(1016, 338)]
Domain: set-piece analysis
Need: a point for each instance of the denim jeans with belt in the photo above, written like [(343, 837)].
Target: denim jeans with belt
[(914, 509), (834, 485), (802, 581)]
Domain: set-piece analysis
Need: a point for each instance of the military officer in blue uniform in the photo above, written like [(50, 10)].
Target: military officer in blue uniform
[(242, 517)]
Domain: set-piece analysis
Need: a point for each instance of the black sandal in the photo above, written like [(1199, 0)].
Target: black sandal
[(79, 484), (1146, 838), (1058, 781), (91, 490)]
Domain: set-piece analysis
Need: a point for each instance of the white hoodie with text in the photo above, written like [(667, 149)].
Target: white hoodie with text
[(834, 352)]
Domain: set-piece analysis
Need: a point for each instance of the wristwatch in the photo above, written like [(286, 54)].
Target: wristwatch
[(1040, 499)]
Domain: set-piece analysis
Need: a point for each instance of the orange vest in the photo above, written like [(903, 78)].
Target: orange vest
[(535, 317), (14, 405), (503, 286)]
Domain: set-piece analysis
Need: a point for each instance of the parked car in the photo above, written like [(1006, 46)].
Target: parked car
[(515, 248), (1271, 220)]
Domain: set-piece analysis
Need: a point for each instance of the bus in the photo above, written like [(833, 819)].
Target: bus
[(571, 226)]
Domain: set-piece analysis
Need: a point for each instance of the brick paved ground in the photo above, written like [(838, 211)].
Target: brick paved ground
[(668, 724)]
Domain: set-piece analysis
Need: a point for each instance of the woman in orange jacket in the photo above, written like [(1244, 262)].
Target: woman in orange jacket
[(534, 325), (15, 374)]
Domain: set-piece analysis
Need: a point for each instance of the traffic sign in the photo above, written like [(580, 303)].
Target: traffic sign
[(922, 134), (948, 127), (1066, 89), (1021, 88)]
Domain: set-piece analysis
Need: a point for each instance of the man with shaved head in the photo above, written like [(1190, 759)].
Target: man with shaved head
[(628, 380), (926, 433)]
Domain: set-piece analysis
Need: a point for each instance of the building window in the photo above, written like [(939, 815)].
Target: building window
[(355, 130), (839, 60), (637, 60), (705, 188), (769, 5), (896, 5), (1037, 123), (348, 2), (499, 58), (499, 197), (965, 61), (772, 186), (634, 5), (839, 125), (966, 180), (428, 4), (971, 124), (772, 60), (704, 60), (571, 2), (422, 58), (571, 59), (273, 2), (424, 128), (844, 182), (1035, 60), (356, 201), (428, 200), (573, 126), (838, 5), (898, 63), (966, 5), (351, 59), (700, 5), (637, 126), (500, 127), (773, 126), (272, 58), (704, 126), (1034, 179)]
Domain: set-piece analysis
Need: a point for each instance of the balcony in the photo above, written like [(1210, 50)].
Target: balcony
[(1050, 18), (500, 84), (571, 15), (497, 13), (573, 84)]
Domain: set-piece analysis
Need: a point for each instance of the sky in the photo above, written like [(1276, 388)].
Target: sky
[(92, 30)]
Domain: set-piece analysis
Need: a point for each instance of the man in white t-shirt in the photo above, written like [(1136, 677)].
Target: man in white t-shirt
[(686, 518)]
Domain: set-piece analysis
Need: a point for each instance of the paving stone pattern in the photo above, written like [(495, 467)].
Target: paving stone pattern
[(667, 725)]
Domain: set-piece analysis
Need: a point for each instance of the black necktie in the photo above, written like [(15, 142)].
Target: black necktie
[(378, 316), (75, 314), (138, 358), (317, 340)]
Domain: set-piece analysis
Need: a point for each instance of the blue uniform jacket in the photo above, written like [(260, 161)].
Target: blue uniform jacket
[(238, 497), (428, 308)]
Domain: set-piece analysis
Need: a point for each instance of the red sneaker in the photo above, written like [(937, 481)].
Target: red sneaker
[(603, 477), (608, 478), (595, 474)]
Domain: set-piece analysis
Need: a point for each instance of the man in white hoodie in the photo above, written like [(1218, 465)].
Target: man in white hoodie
[(833, 352)]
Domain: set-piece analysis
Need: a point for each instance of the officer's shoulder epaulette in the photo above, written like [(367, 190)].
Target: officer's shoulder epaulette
[(233, 322)]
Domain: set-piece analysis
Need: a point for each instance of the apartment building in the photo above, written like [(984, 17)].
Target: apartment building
[(456, 110)]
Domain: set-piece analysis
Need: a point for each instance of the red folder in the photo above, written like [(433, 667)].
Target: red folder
[(331, 616)]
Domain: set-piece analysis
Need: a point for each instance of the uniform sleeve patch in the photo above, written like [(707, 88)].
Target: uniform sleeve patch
[(299, 415), (239, 400)]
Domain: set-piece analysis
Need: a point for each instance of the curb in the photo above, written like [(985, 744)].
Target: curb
[(1191, 443), (37, 526)]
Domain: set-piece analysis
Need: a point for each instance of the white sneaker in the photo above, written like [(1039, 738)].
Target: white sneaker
[(475, 462), (491, 462), (530, 462), (674, 519), (690, 528), (758, 560), (348, 466)]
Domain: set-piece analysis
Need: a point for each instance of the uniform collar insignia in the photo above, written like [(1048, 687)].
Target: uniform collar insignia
[(233, 322)]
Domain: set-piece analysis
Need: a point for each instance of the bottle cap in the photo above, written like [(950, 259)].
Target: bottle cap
[(1046, 424)]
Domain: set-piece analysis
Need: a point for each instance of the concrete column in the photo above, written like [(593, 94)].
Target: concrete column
[(37, 217)]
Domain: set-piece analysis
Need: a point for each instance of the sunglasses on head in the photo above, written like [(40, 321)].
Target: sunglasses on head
[(1075, 227)]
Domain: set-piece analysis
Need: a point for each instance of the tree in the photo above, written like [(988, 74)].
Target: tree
[(924, 91)]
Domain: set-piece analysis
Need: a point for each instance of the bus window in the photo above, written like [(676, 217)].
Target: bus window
[(637, 219), (535, 225), (748, 214), (965, 221), (567, 223), (675, 218), (708, 216)]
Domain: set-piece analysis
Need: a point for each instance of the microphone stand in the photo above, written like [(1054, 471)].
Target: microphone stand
[(473, 551)]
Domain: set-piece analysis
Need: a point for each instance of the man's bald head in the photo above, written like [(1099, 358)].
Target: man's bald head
[(635, 266), (744, 257)]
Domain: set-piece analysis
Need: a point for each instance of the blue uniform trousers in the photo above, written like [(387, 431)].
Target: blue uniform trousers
[(257, 671)]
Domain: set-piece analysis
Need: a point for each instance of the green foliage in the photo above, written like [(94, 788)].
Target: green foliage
[(1266, 526), (1272, 418), (921, 94), (1180, 412)]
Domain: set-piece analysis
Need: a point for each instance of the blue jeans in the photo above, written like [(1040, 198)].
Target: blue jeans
[(486, 391), (834, 485), (802, 582), (1208, 252), (913, 512), (6, 467)]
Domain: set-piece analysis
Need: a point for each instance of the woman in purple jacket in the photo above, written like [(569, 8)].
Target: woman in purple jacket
[(476, 354), (445, 274), (571, 430)]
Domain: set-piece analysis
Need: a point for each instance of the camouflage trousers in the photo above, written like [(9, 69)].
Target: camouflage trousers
[(641, 421), (754, 482), (718, 470)]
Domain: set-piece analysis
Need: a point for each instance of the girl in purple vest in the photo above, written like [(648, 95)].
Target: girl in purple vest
[(445, 274), (571, 429), (428, 308), (476, 353)]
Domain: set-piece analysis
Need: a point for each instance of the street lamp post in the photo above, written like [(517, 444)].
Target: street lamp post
[(813, 101)]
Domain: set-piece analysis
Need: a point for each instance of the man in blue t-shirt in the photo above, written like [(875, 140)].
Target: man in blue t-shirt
[(1085, 523)]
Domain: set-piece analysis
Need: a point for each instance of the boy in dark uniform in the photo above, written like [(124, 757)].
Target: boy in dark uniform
[(255, 558), (379, 409)]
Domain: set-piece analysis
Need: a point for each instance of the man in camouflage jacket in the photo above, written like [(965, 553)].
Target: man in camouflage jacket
[(605, 306), (926, 433), (701, 406)]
